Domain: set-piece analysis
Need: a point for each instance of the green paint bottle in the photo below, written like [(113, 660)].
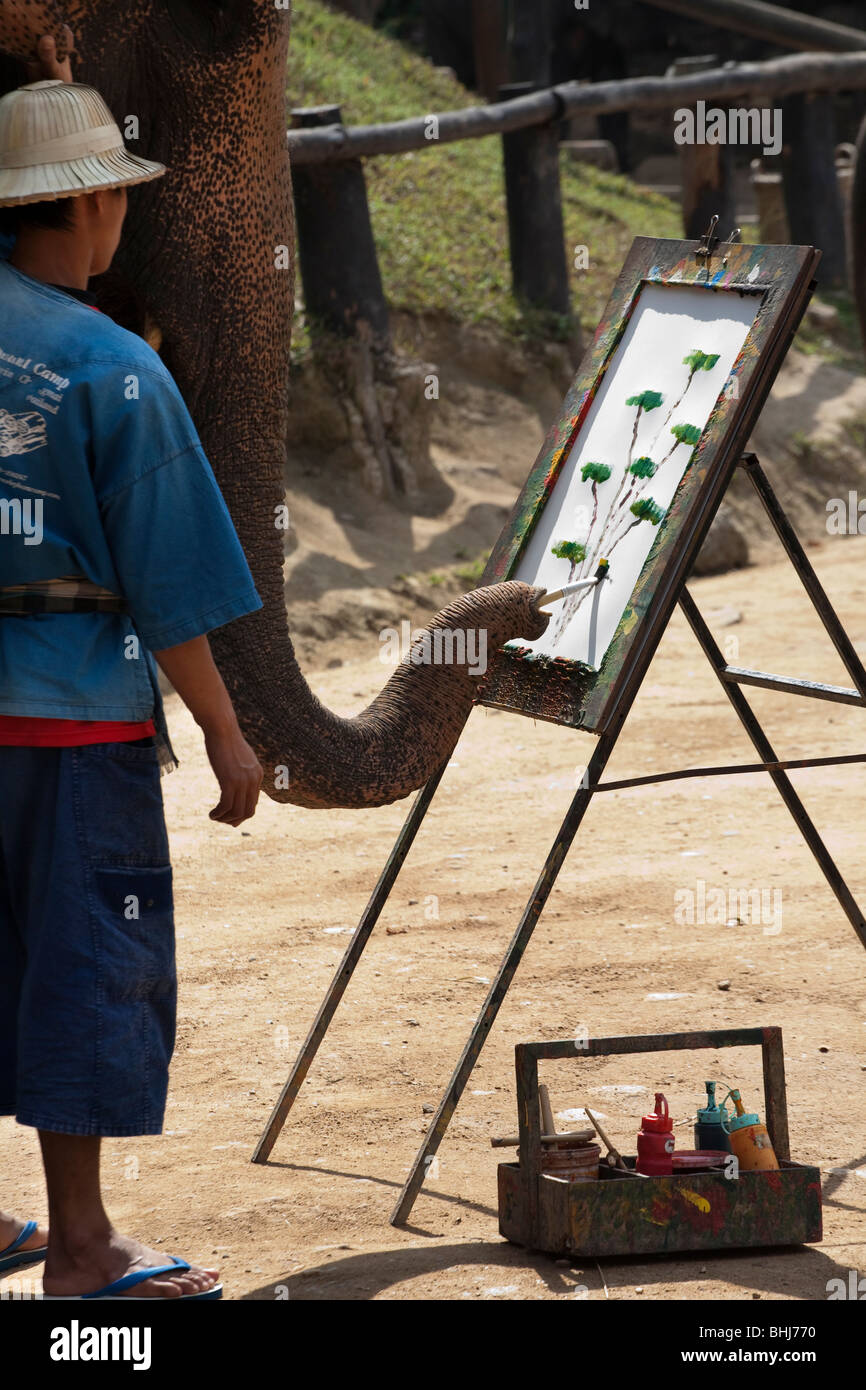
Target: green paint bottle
[(710, 1132)]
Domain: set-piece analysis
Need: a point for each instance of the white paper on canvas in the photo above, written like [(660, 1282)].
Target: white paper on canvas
[(668, 324)]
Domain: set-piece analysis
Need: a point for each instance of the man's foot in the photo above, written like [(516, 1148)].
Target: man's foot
[(83, 1266), (12, 1226)]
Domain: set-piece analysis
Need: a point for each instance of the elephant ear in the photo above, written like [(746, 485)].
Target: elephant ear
[(22, 24)]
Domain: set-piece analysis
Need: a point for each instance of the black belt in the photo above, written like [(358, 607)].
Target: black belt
[(59, 596)]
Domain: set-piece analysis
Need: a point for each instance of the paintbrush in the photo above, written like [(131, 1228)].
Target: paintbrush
[(574, 588)]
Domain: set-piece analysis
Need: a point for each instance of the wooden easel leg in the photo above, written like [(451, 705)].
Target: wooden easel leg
[(808, 578), (765, 751), (346, 968), (505, 975)]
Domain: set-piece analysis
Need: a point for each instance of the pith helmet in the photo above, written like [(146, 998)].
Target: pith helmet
[(59, 139)]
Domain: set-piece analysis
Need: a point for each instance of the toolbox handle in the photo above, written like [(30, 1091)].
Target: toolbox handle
[(528, 1055)]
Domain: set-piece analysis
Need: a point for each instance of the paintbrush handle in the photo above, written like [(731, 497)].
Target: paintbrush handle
[(614, 1153), (566, 589)]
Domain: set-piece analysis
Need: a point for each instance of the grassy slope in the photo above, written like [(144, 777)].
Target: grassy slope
[(439, 215)]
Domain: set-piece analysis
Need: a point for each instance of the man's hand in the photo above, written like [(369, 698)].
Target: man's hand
[(191, 670), (239, 773), (49, 65)]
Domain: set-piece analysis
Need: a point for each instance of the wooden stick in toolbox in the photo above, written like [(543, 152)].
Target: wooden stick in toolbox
[(547, 1123), (612, 1152), (577, 1136)]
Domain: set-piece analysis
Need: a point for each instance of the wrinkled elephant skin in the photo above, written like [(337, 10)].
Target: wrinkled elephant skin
[(207, 265)]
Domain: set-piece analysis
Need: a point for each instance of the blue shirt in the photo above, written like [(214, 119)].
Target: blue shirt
[(102, 474)]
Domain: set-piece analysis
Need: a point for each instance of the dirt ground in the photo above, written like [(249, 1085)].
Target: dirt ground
[(264, 913)]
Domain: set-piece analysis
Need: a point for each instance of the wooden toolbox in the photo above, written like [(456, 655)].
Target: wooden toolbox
[(628, 1215)]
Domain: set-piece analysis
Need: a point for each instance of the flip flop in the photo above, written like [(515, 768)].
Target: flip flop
[(13, 1257), (116, 1290)]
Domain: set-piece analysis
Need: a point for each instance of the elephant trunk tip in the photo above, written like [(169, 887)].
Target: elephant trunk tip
[(509, 610)]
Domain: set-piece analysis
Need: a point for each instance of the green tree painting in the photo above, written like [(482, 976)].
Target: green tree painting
[(632, 505)]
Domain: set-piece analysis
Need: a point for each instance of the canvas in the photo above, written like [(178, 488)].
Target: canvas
[(636, 464), (619, 479)]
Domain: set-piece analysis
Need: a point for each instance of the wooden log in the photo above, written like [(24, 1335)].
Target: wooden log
[(488, 43), (776, 78), (857, 230), (812, 196), (788, 28), (705, 170), (846, 155), (769, 195), (536, 233), (339, 267)]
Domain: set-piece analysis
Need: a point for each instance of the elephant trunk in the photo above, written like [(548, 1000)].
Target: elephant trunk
[(207, 253), (314, 758)]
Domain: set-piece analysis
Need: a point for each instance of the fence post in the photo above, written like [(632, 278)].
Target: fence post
[(536, 234), (530, 38), (811, 186), (488, 43), (857, 230), (336, 250), (770, 197), (705, 170)]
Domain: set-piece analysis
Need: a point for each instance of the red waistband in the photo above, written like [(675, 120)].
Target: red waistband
[(24, 731)]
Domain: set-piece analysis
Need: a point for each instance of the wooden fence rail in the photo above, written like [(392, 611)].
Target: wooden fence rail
[(780, 77), (327, 157), (788, 28)]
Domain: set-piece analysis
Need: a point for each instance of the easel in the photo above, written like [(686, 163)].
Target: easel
[(785, 276), (732, 679)]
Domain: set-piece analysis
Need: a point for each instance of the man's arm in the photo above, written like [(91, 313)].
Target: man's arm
[(191, 669)]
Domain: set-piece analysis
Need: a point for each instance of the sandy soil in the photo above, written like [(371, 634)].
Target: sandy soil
[(263, 915)]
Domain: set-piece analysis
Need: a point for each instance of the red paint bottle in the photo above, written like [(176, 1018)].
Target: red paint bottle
[(655, 1143)]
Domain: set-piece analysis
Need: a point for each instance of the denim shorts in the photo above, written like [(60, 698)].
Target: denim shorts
[(88, 988)]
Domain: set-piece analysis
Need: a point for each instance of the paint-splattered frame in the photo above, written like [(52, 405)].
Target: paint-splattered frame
[(568, 692)]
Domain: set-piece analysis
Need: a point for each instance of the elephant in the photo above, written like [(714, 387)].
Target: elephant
[(205, 272)]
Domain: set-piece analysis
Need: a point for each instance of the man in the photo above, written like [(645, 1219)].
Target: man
[(114, 544)]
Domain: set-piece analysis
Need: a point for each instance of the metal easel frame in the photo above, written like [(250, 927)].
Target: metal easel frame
[(732, 680)]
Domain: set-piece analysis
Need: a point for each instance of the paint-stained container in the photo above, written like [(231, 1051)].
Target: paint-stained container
[(576, 1162), (750, 1140), (655, 1142), (710, 1132)]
